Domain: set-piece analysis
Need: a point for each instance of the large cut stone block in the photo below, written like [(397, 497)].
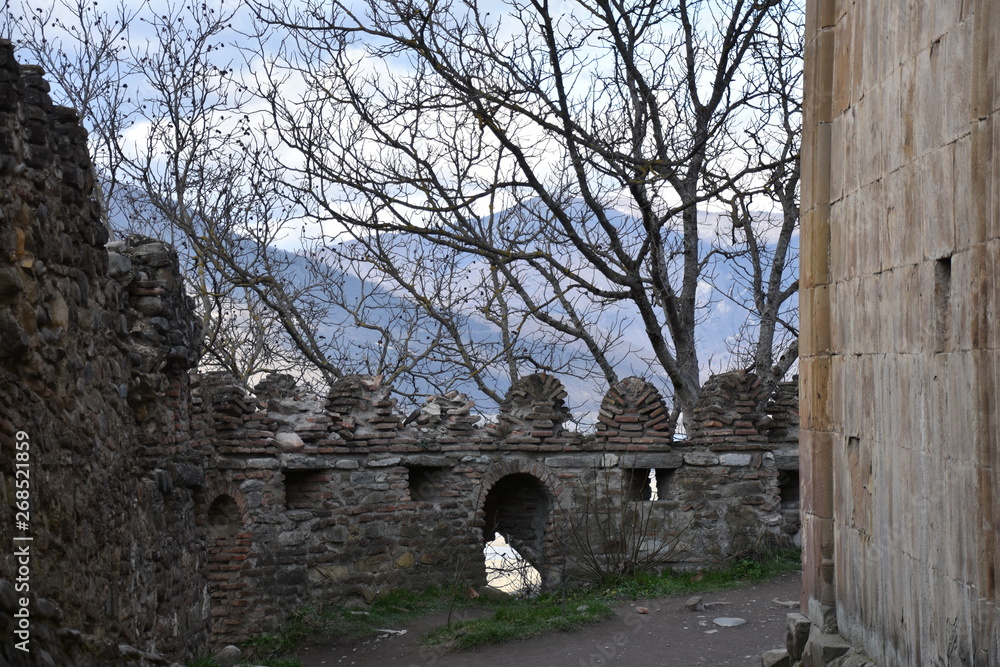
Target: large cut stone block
[(797, 628), (822, 649)]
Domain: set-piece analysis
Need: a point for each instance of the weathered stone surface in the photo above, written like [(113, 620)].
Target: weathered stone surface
[(8, 597), (119, 265), (114, 535), (775, 658), (822, 649), (51, 644), (695, 603), (584, 461), (154, 254), (384, 462), (13, 339), (797, 628), (670, 460), (899, 344), (10, 282), (227, 656), (735, 459), (332, 572), (290, 442), (853, 659), (700, 459)]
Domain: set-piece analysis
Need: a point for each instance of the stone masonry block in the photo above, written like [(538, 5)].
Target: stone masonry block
[(797, 628), (814, 379), (735, 459), (822, 649), (775, 658), (815, 251), (668, 460), (701, 459), (815, 466)]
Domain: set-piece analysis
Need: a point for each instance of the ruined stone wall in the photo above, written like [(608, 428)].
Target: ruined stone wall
[(740, 467), (313, 500), (90, 380), (900, 362)]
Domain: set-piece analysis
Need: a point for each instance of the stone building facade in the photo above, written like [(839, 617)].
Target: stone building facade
[(173, 511), (900, 366)]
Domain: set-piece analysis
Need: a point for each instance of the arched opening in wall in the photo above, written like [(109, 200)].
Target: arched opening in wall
[(228, 549), (517, 512)]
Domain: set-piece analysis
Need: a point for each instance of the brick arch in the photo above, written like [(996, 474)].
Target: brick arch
[(223, 487), (521, 500), (225, 521)]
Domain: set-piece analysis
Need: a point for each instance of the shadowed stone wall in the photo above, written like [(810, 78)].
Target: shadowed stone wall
[(94, 353), (900, 361)]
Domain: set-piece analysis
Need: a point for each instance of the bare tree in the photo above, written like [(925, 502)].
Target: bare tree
[(183, 155), (763, 253), (470, 194), (513, 136), (145, 86)]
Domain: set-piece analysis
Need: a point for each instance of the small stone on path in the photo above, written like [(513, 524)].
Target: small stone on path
[(227, 657), (695, 603)]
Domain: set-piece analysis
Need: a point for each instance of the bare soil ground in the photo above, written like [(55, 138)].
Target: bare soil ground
[(668, 635)]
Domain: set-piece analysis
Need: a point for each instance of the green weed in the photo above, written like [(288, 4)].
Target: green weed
[(519, 619), (201, 662)]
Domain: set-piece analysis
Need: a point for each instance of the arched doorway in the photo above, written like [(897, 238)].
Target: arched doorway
[(517, 510)]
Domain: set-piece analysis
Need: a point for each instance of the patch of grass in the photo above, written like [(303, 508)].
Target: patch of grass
[(512, 618), (515, 619), (274, 662), (314, 623), (520, 619), (201, 662), (747, 570), (396, 608)]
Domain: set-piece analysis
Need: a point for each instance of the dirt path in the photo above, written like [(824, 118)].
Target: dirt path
[(669, 635)]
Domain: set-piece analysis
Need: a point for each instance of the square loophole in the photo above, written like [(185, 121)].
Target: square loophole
[(305, 489), (637, 485), (426, 482)]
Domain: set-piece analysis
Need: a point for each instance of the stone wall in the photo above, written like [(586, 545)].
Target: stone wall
[(336, 500), (89, 380), (900, 361)]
